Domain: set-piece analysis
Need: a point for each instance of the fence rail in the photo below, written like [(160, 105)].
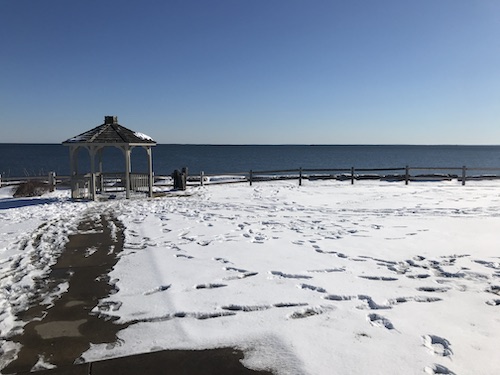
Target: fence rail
[(139, 181), (354, 174)]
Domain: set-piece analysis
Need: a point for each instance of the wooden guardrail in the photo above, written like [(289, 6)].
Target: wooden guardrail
[(352, 174), (49, 179)]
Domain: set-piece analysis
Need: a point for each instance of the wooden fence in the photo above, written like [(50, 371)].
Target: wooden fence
[(108, 182), (105, 182), (352, 174)]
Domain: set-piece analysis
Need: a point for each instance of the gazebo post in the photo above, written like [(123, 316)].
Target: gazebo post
[(150, 169), (101, 180), (127, 171), (74, 160), (73, 157), (92, 152)]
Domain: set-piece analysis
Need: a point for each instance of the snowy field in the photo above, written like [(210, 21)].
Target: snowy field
[(326, 278)]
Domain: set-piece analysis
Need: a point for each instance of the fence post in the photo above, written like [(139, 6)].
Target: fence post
[(352, 175), (202, 176), (92, 191), (184, 176), (300, 176), (0, 180), (407, 175), (52, 181), (250, 177), (463, 175)]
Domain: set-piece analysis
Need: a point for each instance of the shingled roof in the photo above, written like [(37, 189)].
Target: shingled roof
[(111, 133)]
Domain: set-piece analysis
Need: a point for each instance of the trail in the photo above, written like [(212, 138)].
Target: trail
[(58, 334)]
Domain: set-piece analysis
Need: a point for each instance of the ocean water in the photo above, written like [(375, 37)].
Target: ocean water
[(39, 159)]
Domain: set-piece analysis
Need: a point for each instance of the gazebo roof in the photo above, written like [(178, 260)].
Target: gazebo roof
[(111, 133)]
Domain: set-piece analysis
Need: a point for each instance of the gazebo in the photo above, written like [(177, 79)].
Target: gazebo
[(109, 134)]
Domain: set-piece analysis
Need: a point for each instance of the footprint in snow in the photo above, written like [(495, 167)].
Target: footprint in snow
[(209, 286), (398, 300), (160, 288), (109, 306), (245, 308), (437, 345), (438, 369), (222, 260), (289, 304), (379, 321), (494, 265), (240, 270), (219, 314), (379, 278), (336, 297), (309, 311), (494, 289), (240, 276), (432, 289), (204, 243), (289, 275), (418, 276), (328, 270), (242, 273), (183, 256), (371, 304), (312, 287)]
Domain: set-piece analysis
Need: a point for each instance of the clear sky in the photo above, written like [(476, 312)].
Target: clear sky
[(253, 71)]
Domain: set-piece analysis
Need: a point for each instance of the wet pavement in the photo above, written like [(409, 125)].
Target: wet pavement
[(61, 333), (58, 334), (224, 361)]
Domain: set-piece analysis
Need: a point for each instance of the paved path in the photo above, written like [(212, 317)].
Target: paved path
[(224, 361), (60, 334)]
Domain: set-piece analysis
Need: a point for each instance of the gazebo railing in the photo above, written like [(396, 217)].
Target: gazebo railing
[(107, 183), (80, 186), (139, 182), (110, 182)]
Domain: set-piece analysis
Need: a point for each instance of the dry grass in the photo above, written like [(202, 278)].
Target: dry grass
[(31, 189)]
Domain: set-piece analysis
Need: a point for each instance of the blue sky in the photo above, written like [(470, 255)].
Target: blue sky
[(253, 71)]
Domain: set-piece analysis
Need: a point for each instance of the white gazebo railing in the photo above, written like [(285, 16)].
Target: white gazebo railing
[(81, 185)]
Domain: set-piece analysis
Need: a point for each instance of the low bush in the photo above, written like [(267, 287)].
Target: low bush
[(31, 189)]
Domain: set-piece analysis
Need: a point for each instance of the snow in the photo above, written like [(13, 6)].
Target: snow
[(143, 136), (371, 278)]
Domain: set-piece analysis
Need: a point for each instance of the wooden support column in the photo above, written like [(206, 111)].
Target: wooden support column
[(150, 171), (92, 187), (73, 157), (126, 152), (100, 180)]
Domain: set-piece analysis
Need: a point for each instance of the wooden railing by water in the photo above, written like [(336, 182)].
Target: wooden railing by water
[(109, 182), (391, 174), (406, 174)]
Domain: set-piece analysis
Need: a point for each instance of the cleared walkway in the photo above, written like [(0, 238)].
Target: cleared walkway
[(186, 362), (58, 335)]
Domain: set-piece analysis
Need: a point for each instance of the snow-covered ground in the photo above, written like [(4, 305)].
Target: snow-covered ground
[(374, 278)]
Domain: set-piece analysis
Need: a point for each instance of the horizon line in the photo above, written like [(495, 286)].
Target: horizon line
[(286, 144)]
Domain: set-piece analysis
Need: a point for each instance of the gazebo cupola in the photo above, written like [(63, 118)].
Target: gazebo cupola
[(109, 134)]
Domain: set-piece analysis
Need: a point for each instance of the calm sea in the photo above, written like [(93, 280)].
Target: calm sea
[(39, 159)]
